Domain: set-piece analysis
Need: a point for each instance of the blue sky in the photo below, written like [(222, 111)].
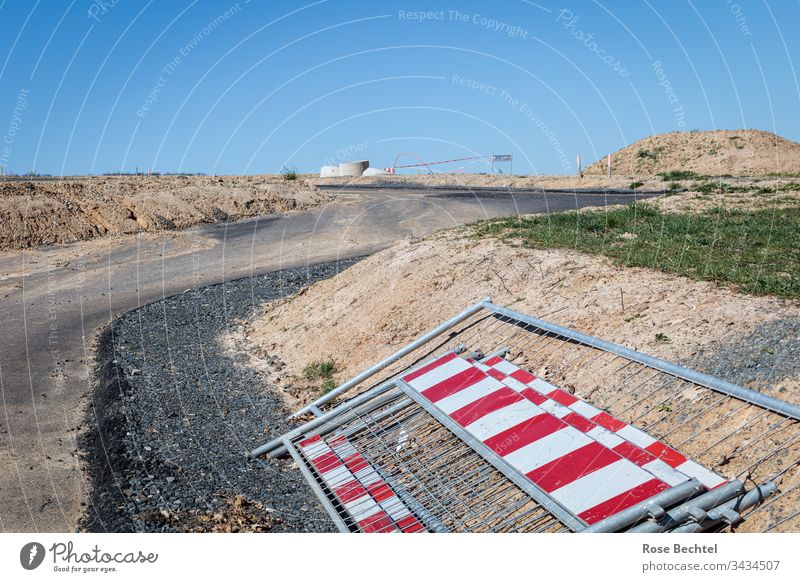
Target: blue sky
[(92, 86)]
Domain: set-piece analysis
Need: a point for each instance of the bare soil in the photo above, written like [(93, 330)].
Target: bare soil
[(394, 296), (76, 209), (739, 152)]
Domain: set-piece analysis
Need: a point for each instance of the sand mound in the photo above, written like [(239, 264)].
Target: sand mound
[(37, 213), (389, 299), (740, 152)]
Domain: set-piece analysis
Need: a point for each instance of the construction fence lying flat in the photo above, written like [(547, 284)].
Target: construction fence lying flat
[(497, 421)]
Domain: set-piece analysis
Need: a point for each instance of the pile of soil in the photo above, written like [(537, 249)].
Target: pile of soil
[(738, 152), (394, 296), (63, 211)]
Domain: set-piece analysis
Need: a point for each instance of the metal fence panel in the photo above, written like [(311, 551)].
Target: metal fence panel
[(750, 439)]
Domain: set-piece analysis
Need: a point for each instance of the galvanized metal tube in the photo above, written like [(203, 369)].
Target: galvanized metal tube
[(346, 416), (763, 400), (312, 482), (437, 331), (677, 516), (311, 424), (498, 353), (716, 516), (626, 517)]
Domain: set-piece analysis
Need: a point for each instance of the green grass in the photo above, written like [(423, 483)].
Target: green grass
[(319, 370), (678, 175), (320, 375), (290, 174), (647, 154), (635, 185), (326, 386), (755, 252)]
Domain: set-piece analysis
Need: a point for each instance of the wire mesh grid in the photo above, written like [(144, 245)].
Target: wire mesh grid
[(737, 439), (445, 482)]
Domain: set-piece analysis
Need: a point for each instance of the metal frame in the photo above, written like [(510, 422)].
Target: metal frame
[(682, 508), (315, 486), (368, 373), (762, 400), (537, 494)]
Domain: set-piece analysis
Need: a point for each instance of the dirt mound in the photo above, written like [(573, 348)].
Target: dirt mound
[(739, 152), (38, 213), (389, 299)]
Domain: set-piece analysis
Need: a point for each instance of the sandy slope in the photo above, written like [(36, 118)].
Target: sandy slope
[(740, 152), (37, 213), (389, 299)]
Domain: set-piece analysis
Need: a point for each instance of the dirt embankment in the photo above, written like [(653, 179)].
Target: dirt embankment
[(39, 213), (738, 152), (389, 299)]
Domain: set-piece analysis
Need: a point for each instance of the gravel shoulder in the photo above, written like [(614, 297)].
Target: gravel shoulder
[(178, 403)]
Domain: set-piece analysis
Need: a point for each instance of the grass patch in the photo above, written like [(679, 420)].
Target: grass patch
[(320, 375), (635, 185), (678, 175), (755, 251), (647, 154), (319, 370), (327, 386), (290, 174)]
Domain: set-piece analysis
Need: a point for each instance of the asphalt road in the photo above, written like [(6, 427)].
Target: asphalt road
[(54, 301)]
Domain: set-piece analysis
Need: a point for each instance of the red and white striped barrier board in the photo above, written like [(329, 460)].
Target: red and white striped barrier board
[(641, 457), (631, 442), (367, 498), (587, 478)]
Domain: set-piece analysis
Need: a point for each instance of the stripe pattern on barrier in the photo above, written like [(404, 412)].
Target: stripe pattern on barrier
[(586, 477), (633, 443), (371, 503), (605, 437)]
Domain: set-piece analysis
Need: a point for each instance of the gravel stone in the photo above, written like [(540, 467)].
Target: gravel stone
[(174, 415), (760, 360)]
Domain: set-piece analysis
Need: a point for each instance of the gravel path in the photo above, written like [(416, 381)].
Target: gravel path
[(176, 411)]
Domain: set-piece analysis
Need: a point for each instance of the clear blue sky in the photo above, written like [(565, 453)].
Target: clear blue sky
[(91, 86)]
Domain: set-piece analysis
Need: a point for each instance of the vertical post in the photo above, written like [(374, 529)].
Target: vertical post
[(580, 171), (609, 165)]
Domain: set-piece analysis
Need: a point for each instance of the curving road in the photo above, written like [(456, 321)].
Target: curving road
[(53, 302)]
